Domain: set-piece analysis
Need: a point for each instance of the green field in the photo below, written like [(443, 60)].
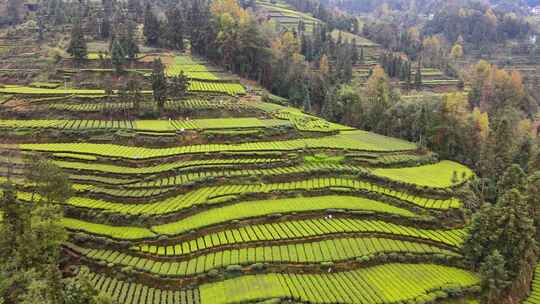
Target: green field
[(357, 140), (386, 284), (439, 175), (268, 207), (221, 197), (194, 86)]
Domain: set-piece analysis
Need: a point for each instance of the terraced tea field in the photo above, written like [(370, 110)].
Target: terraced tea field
[(285, 207), (534, 296), (285, 16)]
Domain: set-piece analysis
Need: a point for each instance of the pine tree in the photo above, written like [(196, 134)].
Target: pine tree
[(178, 86), (506, 227), (159, 83), (133, 89), (355, 56), (12, 12), (77, 45), (105, 28), (15, 219), (418, 76), (307, 100), (513, 178), (151, 26), (175, 29), (494, 277), (525, 154), (327, 110), (118, 57), (135, 8), (127, 41)]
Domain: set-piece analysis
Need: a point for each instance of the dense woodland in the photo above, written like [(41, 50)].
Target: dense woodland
[(491, 126)]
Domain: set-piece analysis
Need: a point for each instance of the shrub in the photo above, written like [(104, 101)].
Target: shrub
[(213, 273), (233, 268), (257, 266)]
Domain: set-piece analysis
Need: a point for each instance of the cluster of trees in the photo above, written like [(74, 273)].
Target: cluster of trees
[(478, 24), (333, 19), (12, 13), (396, 66), (31, 236), (488, 129), (77, 44), (294, 64), (168, 32), (501, 240), (164, 88), (123, 47), (321, 48)]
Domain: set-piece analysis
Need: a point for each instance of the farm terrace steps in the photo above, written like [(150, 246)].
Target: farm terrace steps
[(370, 244), (357, 140), (327, 214), (338, 250), (379, 284), (302, 123), (198, 85), (175, 166), (390, 283), (439, 175), (208, 196), (264, 232), (260, 208), (127, 292), (145, 125), (191, 104), (310, 228)]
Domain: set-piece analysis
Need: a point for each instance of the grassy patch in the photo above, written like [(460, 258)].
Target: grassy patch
[(265, 207), (323, 158), (440, 175)]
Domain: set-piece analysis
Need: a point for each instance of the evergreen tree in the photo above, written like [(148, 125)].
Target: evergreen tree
[(494, 277), (513, 178), (418, 76), (31, 236), (15, 219), (307, 100), (118, 57), (533, 199), (355, 56), (51, 185), (327, 111), (135, 8), (127, 41), (175, 29), (59, 13), (159, 83), (525, 153), (151, 26), (506, 227), (77, 45), (105, 28), (133, 89), (12, 11), (178, 86)]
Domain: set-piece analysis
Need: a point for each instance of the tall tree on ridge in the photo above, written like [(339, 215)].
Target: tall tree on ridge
[(159, 83), (151, 26), (175, 29), (77, 45)]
